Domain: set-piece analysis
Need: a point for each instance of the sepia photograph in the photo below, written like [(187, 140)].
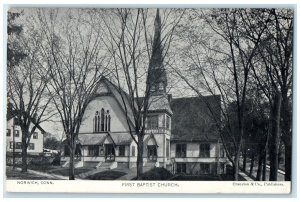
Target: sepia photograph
[(149, 98)]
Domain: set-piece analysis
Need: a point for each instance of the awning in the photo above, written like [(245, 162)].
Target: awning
[(121, 138), (99, 138), (92, 138)]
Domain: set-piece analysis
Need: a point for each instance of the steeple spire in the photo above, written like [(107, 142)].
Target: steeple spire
[(157, 78)]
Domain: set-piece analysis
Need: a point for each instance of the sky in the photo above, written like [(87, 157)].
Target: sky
[(177, 87)]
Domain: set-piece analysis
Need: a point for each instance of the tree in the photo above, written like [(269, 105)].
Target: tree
[(274, 74), (14, 54), (138, 56), (14, 51), (52, 143), (220, 61), (76, 65), (27, 81)]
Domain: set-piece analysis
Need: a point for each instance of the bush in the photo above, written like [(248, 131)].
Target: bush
[(41, 160), (56, 160)]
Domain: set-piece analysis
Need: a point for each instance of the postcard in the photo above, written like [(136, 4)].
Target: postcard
[(149, 100)]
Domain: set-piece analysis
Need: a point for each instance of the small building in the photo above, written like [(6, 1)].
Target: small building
[(196, 147), (14, 136)]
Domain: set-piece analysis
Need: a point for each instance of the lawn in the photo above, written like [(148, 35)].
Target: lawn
[(43, 168), (106, 175), (157, 174), (18, 175), (65, 171)]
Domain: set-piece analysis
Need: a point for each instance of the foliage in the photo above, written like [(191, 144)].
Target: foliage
[(52, 143)]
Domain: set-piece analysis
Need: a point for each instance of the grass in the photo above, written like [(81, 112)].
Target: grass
[(65, 171), (106, 175), (43, 168), (157, 174), (18, 175)]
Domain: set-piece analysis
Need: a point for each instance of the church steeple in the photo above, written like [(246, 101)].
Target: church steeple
[(157, 78)]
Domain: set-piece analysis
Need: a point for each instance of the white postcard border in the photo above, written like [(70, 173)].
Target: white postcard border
[(203, 187)]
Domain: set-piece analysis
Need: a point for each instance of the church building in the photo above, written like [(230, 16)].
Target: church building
[(180, 133)]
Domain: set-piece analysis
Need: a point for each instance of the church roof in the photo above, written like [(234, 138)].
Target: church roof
[(92, 138), (118, 138), (159, 103), (121, 138), (119, 95), (193, 121)]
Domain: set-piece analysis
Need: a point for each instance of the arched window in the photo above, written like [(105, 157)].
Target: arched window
[(108, 129), (105, 125), (97, 122), (102, 119)]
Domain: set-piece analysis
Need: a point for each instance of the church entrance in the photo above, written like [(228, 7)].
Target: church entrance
[(109, 152), (152, 152)]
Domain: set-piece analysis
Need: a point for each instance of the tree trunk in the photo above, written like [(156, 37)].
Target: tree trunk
[(24, 157), (24, 151), (140, 158), (237, 157), (259, 168), (244, 159), (236, 168), (287, 135), (71, 164), (275, 137), (288, 162), (264, 178), (252, 164)]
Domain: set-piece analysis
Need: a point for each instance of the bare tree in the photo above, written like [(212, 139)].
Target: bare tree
[(138, 55), (27, 81), (76, 65), (273, 72), (219, 63)]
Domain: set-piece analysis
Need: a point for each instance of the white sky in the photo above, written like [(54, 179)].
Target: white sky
[(55, 128)]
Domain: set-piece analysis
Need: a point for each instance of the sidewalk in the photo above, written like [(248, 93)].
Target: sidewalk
[(244, 175), (42, 174), (59, 177)]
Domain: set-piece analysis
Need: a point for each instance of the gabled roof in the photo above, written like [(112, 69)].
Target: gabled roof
[(119, 95), (121, 138), (92, 138), (13, 113), (158, 103), (10, 114), (147, 137), (99, 138), (193, 121)]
